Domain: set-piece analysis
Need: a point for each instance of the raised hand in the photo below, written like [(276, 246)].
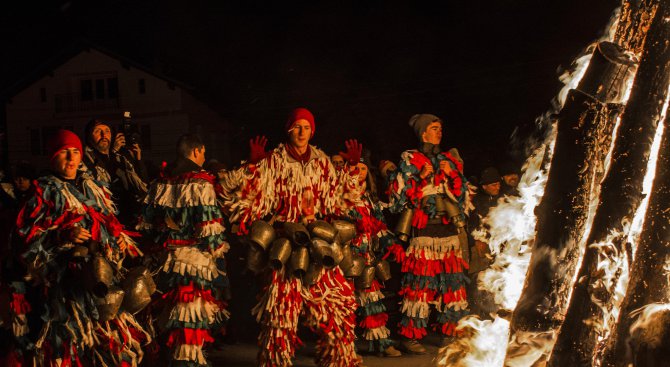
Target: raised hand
[(353, 153), (257, 149)]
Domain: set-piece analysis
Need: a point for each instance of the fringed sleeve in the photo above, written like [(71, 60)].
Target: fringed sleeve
[(279, 185)]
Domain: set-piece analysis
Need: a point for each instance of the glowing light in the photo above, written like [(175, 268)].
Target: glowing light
[(510, 237)]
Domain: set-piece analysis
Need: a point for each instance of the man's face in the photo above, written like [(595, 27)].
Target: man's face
[(21, 183), (300, 134), (199, 156), (101, 138), (433, 133), (338, 161), (492, 189), (362, 172), (511, 179), (66, 162)]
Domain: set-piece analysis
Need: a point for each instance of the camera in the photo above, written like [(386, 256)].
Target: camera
[(130, 130)]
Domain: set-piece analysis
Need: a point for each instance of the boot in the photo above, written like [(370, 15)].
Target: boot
[(412, 346), (390, 352)]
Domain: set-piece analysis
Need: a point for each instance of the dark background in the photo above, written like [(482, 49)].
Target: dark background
[(362, 67)]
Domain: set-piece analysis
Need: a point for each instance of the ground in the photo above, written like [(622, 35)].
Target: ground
[(244, 355)]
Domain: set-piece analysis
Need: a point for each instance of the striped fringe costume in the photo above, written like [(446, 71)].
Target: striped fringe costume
[(434, 268), (71, 333), (282, 187), (182, 214)]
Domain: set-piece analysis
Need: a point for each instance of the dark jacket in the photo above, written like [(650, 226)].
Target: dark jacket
[(126, 177)]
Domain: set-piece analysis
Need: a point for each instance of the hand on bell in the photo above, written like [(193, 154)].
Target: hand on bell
[(353, 153), (76, 235), (445, 167), (426, 170)]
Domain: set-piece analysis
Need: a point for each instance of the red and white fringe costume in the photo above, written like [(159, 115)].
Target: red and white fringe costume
[(279, 185)]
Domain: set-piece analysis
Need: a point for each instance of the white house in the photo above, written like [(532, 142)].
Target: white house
[(88, 82)]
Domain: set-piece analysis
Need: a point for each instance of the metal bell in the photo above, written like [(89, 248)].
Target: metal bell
[(142, 271), (383, 270), (336, 250), (454, 213), (297, 233), (102, 276), (440, 205), (346, 231), (313, 274), (280, 252), (256, 259), (79, 251), (347, 258), (364, 281), (356, 268), (108, 306), (137, 294), (404, 226), (322, 252), (261, 234), (322, 230), (299, 261)]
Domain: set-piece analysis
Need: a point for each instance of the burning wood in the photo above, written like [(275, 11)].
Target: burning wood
[(592, 308), (634, 23), (584, 134), (649, 279)]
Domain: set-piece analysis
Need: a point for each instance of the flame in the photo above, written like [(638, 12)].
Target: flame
[(512, 231), (649, 330), (613, 265)]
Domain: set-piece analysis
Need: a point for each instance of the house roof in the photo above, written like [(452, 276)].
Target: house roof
[(69, 52)]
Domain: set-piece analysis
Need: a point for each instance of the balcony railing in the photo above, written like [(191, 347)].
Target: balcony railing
[(66, 103)]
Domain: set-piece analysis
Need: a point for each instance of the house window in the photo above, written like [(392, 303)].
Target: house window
[(112, 88), (142, 86), (100, 89), (145, 136), (86, 90), (43, 95), (35, 142)]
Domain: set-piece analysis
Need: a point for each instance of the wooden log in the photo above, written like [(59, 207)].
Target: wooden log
[(649, 279), (562, 213), (577, 344), (633, 23)]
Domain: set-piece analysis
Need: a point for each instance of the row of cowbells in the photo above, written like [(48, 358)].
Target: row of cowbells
[(305, 251), (133, 295)]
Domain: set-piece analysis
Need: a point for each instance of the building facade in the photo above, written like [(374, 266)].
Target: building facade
[(95, 83)]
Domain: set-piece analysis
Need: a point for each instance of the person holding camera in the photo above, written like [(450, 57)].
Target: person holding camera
[(118, 162)]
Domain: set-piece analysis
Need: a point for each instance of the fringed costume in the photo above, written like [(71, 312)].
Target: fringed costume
[(75, 328), (285, 189), (434, 265), (372, 241), (182, 214)]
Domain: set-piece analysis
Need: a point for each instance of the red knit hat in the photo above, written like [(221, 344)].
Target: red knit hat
[(300, 113), (63, 139)]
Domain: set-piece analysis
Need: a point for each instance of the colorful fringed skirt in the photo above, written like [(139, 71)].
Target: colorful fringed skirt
[(434, 273)]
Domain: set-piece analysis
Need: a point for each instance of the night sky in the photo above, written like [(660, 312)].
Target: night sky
[(362, 67)]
